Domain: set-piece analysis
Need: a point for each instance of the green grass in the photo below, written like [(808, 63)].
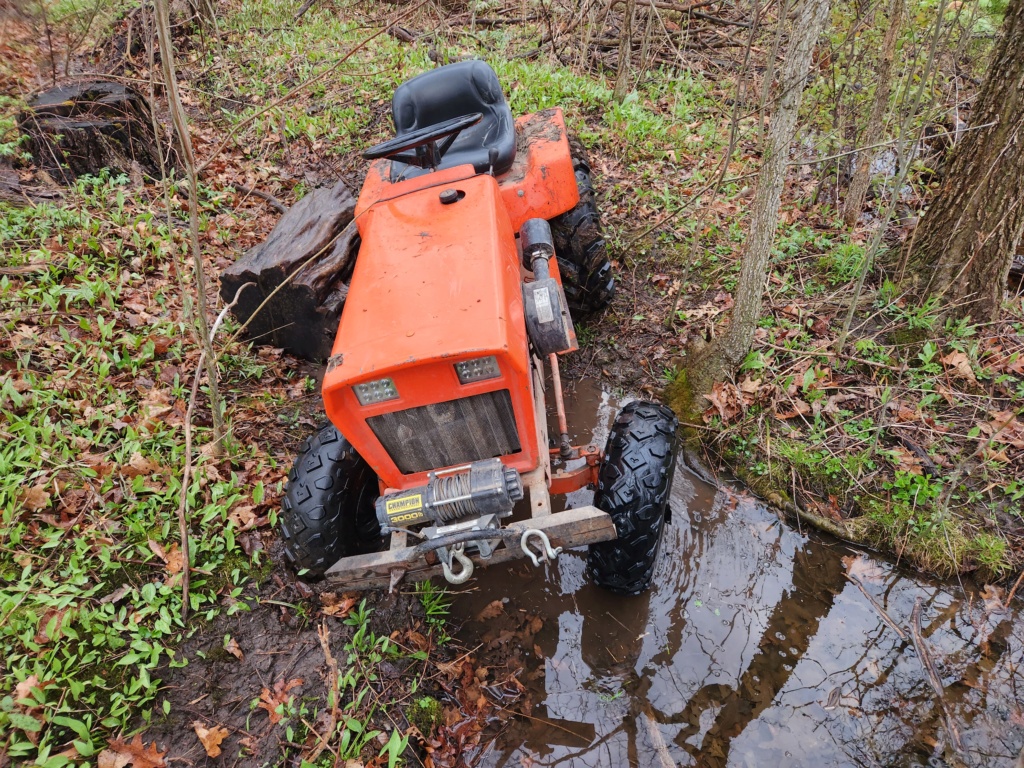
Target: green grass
[(90, 474)]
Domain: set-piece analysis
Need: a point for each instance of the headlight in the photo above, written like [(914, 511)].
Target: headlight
[(481, 369), (377, 391)]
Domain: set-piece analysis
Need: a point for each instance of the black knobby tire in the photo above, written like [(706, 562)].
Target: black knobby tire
[(633, 487), (327, 512), (580, 246)]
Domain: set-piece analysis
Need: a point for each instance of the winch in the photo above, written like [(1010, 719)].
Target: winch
[(485, 487)]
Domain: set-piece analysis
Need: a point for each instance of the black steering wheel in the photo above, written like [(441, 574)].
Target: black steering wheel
[(430, 143)]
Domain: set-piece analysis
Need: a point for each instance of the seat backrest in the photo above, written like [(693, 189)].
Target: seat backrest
[(448, 92), (453, 91)]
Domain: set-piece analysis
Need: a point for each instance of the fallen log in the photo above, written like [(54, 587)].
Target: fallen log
[(81, 128), (298, 275)]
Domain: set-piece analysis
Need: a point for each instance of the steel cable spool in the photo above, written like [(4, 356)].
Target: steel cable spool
[(452, 497)]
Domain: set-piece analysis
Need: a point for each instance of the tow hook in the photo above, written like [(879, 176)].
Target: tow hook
[(466, 570), (544, 547)]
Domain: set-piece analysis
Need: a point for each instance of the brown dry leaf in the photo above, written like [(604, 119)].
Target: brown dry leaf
[(121, 754), (993, 597), (340, 609), (749, 386), (861, 568), (35, 498), (140, 465), (175, 560), (800, 408), (24, 689), (907, 461), (210, 737), (44, 632), (725, 399), (903, 413), (1005, 428), (231, 646), (272, 701), (491, 611), (1000, 455), (960, 365), (451, 670), (243, 516)]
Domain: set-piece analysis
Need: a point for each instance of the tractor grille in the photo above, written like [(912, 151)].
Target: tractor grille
[(449, 433)]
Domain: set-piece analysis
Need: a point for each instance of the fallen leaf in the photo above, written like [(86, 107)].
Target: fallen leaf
[(993, 597), (23, 689), (242, 516), (121, 754), (341, 609), (725, 399), (175, 560), (232, 647), (35, 498), (960, 365), (210, 737), (140, 465), (861, 568), (491, 611), (273, 701)]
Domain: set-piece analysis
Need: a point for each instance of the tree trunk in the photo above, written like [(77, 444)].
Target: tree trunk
[(876, 119), (966, 242), (625, 52), (300, 271), (80, 128), (721, 357)]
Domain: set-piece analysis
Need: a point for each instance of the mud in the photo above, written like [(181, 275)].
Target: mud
[(278, 641), (755, 646)]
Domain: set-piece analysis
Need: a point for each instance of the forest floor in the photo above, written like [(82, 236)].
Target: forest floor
[(908, 439)]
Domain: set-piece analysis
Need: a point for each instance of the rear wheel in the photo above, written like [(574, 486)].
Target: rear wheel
[(580, 246), (633, 487), (328, 512)]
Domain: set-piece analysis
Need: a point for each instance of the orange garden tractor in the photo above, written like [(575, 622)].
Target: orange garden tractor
[(479, 235)]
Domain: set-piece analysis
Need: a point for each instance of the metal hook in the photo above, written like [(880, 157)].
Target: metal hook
[(546, 552), (464, 574)]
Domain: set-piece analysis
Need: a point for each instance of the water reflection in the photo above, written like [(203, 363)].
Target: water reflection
[(752, 649)]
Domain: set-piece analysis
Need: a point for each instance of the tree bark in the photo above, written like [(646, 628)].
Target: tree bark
[(298, 275), (858, 189), (80, 128), (966, 242), (625, 51), (720, 358)]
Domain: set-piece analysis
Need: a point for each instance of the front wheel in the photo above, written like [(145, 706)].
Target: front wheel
[(327, 512), (633, 487)]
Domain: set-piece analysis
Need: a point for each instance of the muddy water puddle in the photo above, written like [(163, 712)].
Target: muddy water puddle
[(752, 648)]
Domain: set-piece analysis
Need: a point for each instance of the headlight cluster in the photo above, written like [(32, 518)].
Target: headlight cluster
[(468, 371), (480, 369), (378, 391)]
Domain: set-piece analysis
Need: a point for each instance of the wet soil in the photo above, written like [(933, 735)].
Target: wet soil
[(276, 636), (755, 646)]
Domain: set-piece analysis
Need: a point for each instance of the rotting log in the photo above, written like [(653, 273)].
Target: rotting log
[(300, 271), (81, 128)]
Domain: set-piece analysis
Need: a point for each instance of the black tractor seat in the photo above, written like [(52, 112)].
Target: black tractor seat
[(453, 91)]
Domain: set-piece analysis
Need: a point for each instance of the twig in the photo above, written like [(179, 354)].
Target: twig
[(302, 10), (1014, 590), (881, 611), (924, 654), (186, 473), (180, 121), (274, 203), (332, 693)]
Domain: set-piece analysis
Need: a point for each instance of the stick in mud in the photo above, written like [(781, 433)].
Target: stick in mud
[(924, 654)]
